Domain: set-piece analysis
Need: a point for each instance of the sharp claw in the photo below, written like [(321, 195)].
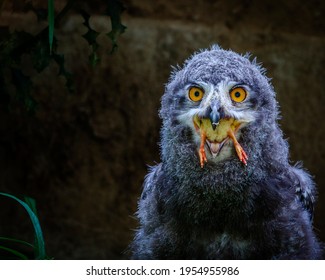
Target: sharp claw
[(245, 157), (239, 150), (203, 157)]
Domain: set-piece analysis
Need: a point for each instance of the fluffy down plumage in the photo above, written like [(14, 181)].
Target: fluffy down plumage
[(225, 210)]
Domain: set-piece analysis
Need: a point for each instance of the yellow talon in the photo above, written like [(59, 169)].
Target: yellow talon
[(239, 150), (203, 157)]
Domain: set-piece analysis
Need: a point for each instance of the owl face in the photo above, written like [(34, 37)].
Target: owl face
[(215, 95), (214, 111)]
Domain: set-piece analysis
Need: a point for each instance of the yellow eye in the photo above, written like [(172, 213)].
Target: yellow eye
[(238, 94), (195, 94)]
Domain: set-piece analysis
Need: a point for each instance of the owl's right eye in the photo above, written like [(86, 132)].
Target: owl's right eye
[(195, 94)]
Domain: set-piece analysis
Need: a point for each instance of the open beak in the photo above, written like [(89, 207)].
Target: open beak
[(214, 134)]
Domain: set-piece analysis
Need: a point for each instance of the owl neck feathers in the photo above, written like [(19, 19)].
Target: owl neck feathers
[(221, 194), (264, 144)]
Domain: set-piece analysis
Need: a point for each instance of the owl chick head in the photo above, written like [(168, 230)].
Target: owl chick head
[(216, 104)]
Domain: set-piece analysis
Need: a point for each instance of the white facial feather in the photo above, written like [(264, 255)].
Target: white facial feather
[(219, 93)]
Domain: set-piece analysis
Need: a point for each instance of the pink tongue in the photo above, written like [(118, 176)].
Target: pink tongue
[(214, 147)]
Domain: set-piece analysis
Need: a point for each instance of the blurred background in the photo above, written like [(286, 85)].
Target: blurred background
[(83, 154)]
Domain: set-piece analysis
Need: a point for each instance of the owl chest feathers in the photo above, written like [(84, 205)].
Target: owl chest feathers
[(224, 245)]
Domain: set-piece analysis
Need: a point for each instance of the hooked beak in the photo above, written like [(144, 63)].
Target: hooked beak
[(214, 118), (215, 113)]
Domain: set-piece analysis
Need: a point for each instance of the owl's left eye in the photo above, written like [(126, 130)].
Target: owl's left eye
[(195, 94), (238, 94)]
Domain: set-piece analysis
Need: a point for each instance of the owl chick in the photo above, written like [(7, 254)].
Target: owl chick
[(224, 188)]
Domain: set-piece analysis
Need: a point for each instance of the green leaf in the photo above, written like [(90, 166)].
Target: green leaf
[(31, 203), (39, 240), (91, 34), (40, 55), (16, 241), (14, 252), (91, 37), (114, 10), (94, 59), (59, 59), (51, 22)]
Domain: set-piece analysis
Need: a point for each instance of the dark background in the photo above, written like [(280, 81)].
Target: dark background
[(83, 156)]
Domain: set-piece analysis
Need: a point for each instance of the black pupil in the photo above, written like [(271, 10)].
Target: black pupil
[(237, 94), (197, 93)]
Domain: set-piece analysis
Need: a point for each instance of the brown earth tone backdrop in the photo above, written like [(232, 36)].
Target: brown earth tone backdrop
[(83, 156)]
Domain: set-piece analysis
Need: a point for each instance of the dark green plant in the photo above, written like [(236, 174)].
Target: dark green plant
[(42, 49), (39, 246)]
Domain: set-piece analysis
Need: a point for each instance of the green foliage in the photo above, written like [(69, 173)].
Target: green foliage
[(16, 87), (51, 22), (42, 50), (114, 10), (59, 59), (91, 37), (39, 245)]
